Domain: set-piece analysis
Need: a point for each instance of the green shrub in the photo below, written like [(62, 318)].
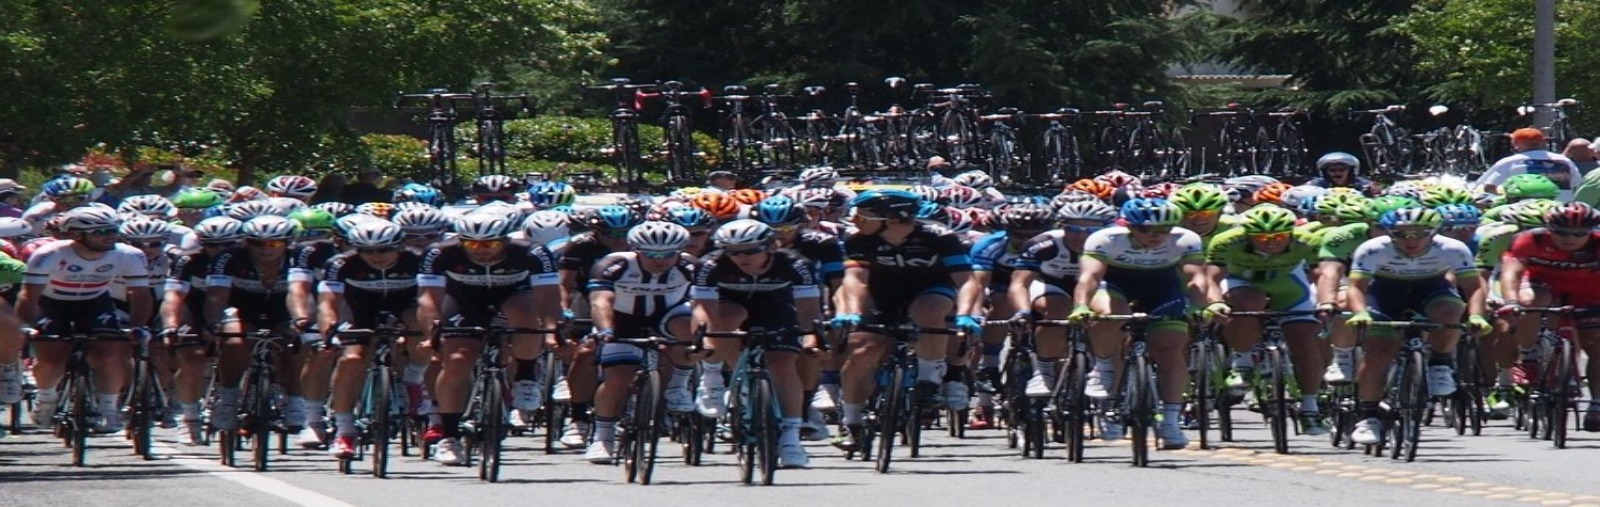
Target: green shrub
[(579, 140)]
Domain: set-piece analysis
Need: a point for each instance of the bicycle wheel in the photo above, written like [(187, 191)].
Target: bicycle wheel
[(1292, 149), (381, 425), (763, 416), (1033, 429), (739, 422), (627, 146), (1074, 405), (491, 429), (889, 416), (1136, 404), (629, 430), (1221, 399), (1413, 405), (78, 427), (555, 414), (260, 403), (649, 437), (1202, 400), (1261, 152), (1278, 406), (1561, 394), (141, 408)]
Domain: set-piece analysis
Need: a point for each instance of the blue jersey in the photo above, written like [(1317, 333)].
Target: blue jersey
[(994, 254)]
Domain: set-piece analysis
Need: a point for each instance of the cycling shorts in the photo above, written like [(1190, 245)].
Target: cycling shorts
[(63, 317), (1290, 293), (1391, 299), (891, 303)]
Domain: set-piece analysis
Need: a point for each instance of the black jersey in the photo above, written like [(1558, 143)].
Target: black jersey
[(824, 250), (368, 288), (788, 276), (928, 255), (520, 268), (309, 260)]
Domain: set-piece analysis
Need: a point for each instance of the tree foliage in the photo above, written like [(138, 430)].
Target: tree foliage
[(1342, 53)]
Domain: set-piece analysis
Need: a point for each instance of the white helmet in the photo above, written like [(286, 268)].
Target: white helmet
[(270, 227), (11, 227), (244, 211), (286, 205), (422, 220), (375, 233), (1296, 195), (343, 225), (93, 217), (493, 184), (1087, 210), (744, 233), (1339, 158), (545, 226), (658, 237), (975, 179), (145, 228), (150, 205), (219, 229), (481, 226), (819, 177), (292, 186), (505, 210)]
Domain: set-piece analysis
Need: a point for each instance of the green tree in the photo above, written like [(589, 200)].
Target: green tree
[(1342, 53)]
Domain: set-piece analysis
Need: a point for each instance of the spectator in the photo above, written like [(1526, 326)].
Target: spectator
[(1582, 154), (12, 200), (183, 178), (722, 181), (330, 189), (1532, 158), (366, 189)]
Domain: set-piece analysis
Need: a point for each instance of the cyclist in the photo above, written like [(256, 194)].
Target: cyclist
[(1202, 205), (60, 195), (749, 283), (378, 277), (899, 270), (788, 219), (422, 226), (610, 225), (699, 223), (494, 188), (246, 290), (292, 186), (183, 308), (1046, 272), (995, 260), (1149, 266), (1393, 277), (1339, 243), (67, 290), (1342, 170), (1556, 265), (308, 256), (12, 272), (638, 294), (1263, 266), (461, 282)]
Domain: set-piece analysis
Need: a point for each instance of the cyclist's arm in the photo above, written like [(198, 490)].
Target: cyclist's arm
[(301, 301), (569, 280), (1356, 294), (216, 302), (853, 290), (429, 301), (977, 278), (1021, 280), (1201, 289), (1329, 273), (328, 302), (1476, 291), (1090, 271), (140, 304), (600, 308), (28, 303), (1511, 272), (172, 306)]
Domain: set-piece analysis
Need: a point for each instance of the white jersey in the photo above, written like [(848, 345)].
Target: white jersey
[(38, 214), (1378, 258), (1114, 246), (638, 292), (157, 267), (1558, 168), (69, 277)]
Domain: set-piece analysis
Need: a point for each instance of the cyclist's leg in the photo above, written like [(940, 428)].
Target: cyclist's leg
[(1242, 333), (349, 373), (416, 364), (722, 316), (929, 309), (1589, 340), (458, 357), (680, 366), (109, 359), (619, 362), (1526, 331), (1107, 343), (1050, 342)]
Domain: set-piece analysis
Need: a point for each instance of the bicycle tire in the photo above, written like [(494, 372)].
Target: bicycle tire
[(1033, 434), (1201, 400), (1075, 405), (1136, 403), (691, 438), (491, 429), (737, 420), (1562, 395), (141, 402), (79, 431), (890, 405), (1413, 404), (627, 146), (555, 413), (1278, 412), (764, 408), (628, 430), (652, 431), (1220, 400), (380, 428), (261, 418), (1261, 152), (1177, 153)]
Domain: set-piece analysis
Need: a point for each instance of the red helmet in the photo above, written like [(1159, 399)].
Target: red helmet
[(1117, 179), (1575, 215)]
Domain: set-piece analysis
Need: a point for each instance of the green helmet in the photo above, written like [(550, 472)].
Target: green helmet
[(1199, 197), (1417, 216), (1267, 219), (1530, 186), (1332, 202), (1528, 214), (313, 219), (1441, 195), (1377, 207), (196, 198)]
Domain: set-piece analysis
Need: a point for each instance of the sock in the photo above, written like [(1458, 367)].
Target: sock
[(955, 373), (680, 377), (929, 369), (1241, 361), (1044, 367), (789, 431), (191, 410), (50, 395), (316, 412), (1169, 413), (991, 355), (1442, 359), (1308, 404), (528, 369), (851, 414), (107, 403), (1529, 353), (605, 429), (1503, 377), (345, 424), (451, 424), (985, 399), (829, 378), (1343, 351), (414, 373), (294, 403), (710, 374), (1367, 409)]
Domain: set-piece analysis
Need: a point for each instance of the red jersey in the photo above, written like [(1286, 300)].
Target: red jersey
[(1571, 275)]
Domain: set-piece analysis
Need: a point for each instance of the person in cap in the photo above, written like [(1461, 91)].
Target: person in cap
[(12, 198), (1532, 157)]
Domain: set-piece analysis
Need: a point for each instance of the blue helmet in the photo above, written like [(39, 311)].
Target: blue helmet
[(691, 217), (1460, 214), (1151, 212), (564, 209), (418, 192), (934, 211), (778, 210), (888, 203), (614, 218), (547, 194)]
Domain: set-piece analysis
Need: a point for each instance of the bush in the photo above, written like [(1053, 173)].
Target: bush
[(580, 141)]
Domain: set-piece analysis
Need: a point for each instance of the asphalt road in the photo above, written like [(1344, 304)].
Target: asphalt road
[(1500, 467)]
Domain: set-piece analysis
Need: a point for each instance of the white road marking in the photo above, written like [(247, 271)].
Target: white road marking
[(249, 479)]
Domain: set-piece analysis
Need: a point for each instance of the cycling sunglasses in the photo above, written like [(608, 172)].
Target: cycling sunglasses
[(1204, 213), (112, 231), (1271, 236), (1081, 229), (659, 255), (1570, 233), (378, 250), (267, 243), (1425, 233), (148, 244), (1167, 229), (430, 237), (747, 251), (474, 244)]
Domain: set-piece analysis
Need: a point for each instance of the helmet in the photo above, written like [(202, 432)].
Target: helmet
[(149, 205), (545, 194), (1575, 215), (819, 177), (286, 205), (1339, 158), (779, 210), (744, 233), (1096, 188), (888, 203), (270, 227), (1159, 190), (312, 219), (820, 198), (145, 228), (1248, 185), (244, 211), (974, 179), (1486, 200), (1460, 214), (418, 192), (719, 205), (637, 205), (933, 212), (927, 193), (1272, 193), (1529, 214), (337, 209), (347, 223), (545, 226), (1440, 195), (1026, 218), (378, 209), (1071, 196), (1376, 208), (1088, 210), (1268, 219), (1414, 215), (658, 237), (493, 184), (1297, 195), (196, 198), (376, 233), (958, 220), (982, 219), (615, 218), (1199, 197), (425, 220), (91, 218), (688, 192), (480, 226), (1151, 212), (219, 230), (1117, 179), (747, 195), (246, 193), (1408, 189), (1308, 206), (690, 217), (299, 187), (11, 227), (1530, 186), (66, 186)]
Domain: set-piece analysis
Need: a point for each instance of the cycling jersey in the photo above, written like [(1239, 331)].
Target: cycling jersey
[(768, 297), (259, 301), (994, 254), (370, 291), (898, 274), (581, 253), (1339, 243), (188, 276), (1403, 285), (1570, 275), (69, 277), (1147, 277), (1493, 240), (310, 259), (824, 250), (641, 298), (1280, 276), (474, 287), (1048, 255)]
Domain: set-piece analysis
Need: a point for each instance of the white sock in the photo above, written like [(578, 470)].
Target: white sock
[(107, 403), (680, 377), (1044, 367), (48, 395), (850, 413), (930, 370), (789, 431), (1169, 413), (414, 373), (316, 412), (605, 430), (710, 374), (345, 422), (1308, 404)]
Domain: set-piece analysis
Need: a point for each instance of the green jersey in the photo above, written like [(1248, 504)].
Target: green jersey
[(1493, 239), (1232, 250), (1339, 243)]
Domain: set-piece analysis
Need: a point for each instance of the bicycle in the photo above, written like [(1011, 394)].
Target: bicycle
[(1067, 409), (485, 424), (892, 410), (679, 149), (1020, 415), (1208, 387), (491, 131), (1465, 409), (1286, 152), (752, 402), (379, 410), (1240, 148), (259, 416), (1560, 130), (643, 422), (1135, 404), (1407, 397), (1058, 153), (442, 119), (625, 146), (1279, 389), (146, 401), (1553, 396), (955, 125), (76, 408), (1386, 145), (1005, 154)]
